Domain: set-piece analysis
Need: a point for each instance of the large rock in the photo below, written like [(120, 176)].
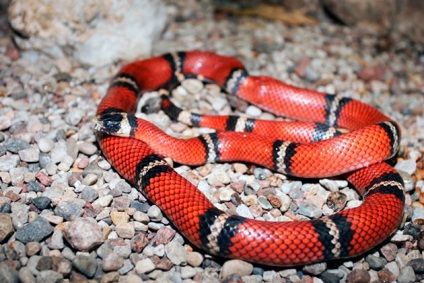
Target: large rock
[(97, 32)]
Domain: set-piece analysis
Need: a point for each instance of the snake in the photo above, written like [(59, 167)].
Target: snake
[(326, 135)]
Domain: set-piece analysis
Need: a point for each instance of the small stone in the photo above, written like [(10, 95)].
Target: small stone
[(144, 266), (139, 242), (244, 211), (417, 264), (192, 85), (358, 276), (408, 166), (74, 117), (176, 253), (164, 235), (8, 274), (309, 210), (90, 239), (89, 194), (218, 177), (119, 217), (86, 264), (49, 276), (236, 266), (68, 210), (112, 262), (264, 203), (29, 155), (407, 275), (15, 146), (6, 227), (110, 277), (121, 203), (376, 263), (25, 275), (253, 111), (87, 148), (385, 275), (32, 248), (53, 219), (125, 230), (315, 269), (141, 217), (55, 242), (187, 272), (393, 268), (195, 259), (41, 202), (45, 263), (103, 201), (90, 179), (45, 144), (155, 213), (34, 231)]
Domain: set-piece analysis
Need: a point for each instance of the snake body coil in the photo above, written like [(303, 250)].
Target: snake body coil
[(311, 148)]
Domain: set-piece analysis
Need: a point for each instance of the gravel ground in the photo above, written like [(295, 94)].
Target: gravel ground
[(55, 183)]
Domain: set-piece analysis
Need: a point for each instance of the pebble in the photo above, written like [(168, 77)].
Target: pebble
[(49, 276), (408, 166), (89, 194), (45, 144), (376, 263), (103, 201), (119, 217), (244, 211), (112, 262), (139, 242), (85, 264), (144, 266), (34, 231), (32, 248), (87, 148), (358, 276), (240, 267), (41, 202), (309, 210), (154, 213), (68, 210), (194, 259), (8, 162), (176, 253), (264, 202), (29, 155), (6, 227), (25, 275), (125, 230), (55, 242), (407, 275), (87, 241)]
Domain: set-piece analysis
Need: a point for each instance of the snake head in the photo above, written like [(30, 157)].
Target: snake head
[(114, 123)]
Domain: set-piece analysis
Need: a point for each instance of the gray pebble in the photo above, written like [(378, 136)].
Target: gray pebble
[(34, 231), (8, 162), (8, 274), (89, 194), (407, 275), (55, 242), (19, 214), (15, 146), (376, 263), (41, 202), (26, 276), (127, 267), (34, 186), (264, 202), (85, 264), (68, 210), (309, 210), (74, 116)]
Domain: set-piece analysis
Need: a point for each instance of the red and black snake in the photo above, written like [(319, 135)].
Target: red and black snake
[(311, 148)]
